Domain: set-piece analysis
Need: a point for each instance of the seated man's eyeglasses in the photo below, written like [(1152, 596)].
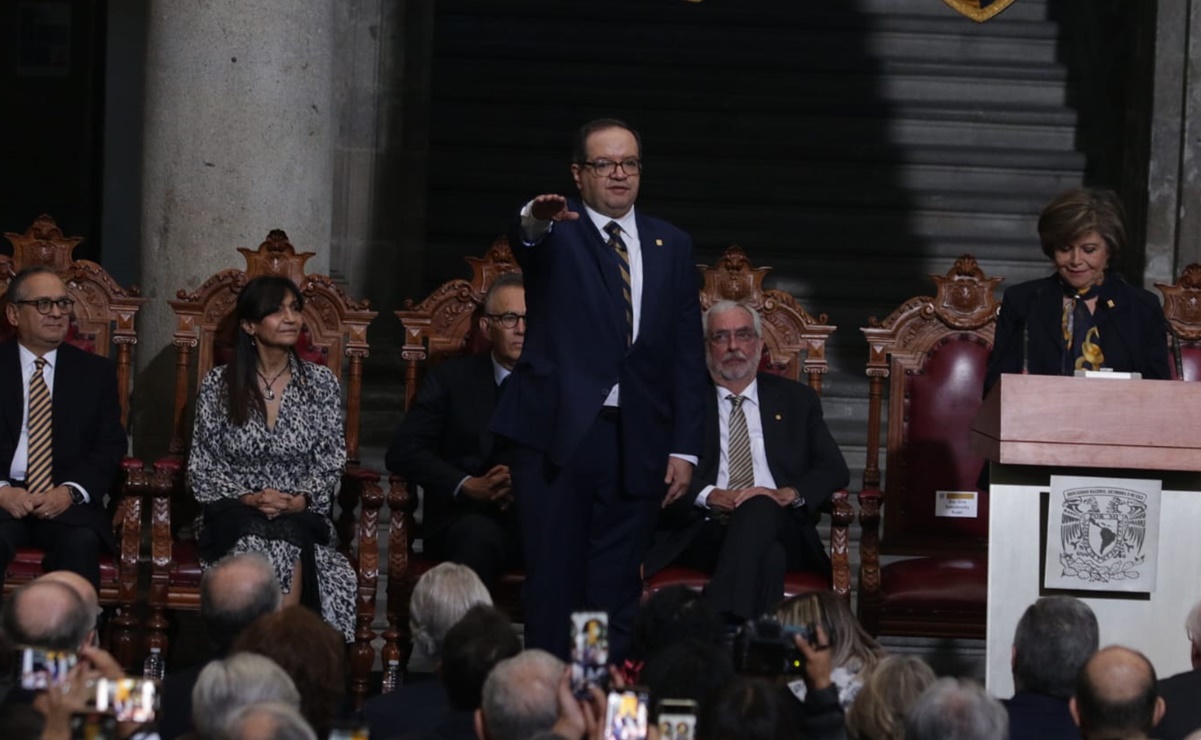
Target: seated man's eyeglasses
[(43, 305), (604, 167), (742, 336), (507, 320)]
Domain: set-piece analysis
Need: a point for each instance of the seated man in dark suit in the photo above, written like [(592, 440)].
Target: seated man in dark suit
[(769, 463), (444, 445), (61, 438), (1181, 692)]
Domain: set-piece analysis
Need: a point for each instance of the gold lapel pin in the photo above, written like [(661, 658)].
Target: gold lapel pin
[(1109, 303), (658, 242), (778, 417)]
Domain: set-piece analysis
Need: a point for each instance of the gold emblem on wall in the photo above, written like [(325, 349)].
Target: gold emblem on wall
[(979, 10)]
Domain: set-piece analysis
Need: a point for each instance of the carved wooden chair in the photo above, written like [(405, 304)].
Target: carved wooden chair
[(795, 347), (335, 334), (442, 326), (931, 353), (1182, 308), (103, 323)]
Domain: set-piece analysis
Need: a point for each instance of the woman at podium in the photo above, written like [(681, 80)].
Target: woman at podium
[(1083, 316)]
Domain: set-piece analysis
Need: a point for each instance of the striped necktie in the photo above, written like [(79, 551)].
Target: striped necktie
[(41, 435), (613, 229), (741, 469)]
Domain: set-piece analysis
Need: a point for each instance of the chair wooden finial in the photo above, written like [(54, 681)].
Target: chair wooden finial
[(1182, 304), (43, 243)]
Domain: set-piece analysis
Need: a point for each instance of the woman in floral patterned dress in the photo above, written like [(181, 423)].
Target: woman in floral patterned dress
[(267, 452)]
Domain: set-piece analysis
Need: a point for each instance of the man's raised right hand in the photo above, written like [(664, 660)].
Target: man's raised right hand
[(550, 207)]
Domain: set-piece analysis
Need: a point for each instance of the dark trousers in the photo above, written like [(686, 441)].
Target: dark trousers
[(748, 557), (487, 544), (583, 537), (67, 547)]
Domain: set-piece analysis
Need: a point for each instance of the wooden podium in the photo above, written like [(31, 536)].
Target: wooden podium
[(1032, 427)]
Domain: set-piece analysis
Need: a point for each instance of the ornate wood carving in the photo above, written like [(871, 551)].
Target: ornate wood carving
[(1182, 304)]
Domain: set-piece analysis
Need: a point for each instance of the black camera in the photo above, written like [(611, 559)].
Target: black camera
[(764, 647)]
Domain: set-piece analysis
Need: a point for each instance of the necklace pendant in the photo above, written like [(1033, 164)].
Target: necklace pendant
[(268, 394)]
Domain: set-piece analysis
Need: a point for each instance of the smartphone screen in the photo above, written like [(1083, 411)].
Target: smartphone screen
[(128, 699), (349, 731), (41, 669), (677, 719), (626, 716), (93, 726), (589, 650)]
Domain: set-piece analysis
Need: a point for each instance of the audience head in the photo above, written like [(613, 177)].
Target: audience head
[(889, 690), (233, 593), (520, 697), (853, 647), (692, 669), (1054, 638), (225, 686), (47, 614), (1075, 213), (953, 709), (1116, 695), (310, 651), (748, 709), (671, 615), (269, 721), (1192, 625), (38, 332), (734, 336), (441, 597), (85, 590), (610, 191), (472, 648), (505, 302)]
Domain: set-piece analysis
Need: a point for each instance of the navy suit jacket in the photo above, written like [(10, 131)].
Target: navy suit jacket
[(575, 349), (1133, 332), (801, 453), (445, 437), (89, 440)]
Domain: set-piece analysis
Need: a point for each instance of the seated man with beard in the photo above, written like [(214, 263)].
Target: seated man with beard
[(768, 465)]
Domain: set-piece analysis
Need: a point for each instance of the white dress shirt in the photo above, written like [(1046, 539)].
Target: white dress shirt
[(754, 428)]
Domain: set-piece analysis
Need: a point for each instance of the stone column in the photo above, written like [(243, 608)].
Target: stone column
[(238, 141), (1174, 179)]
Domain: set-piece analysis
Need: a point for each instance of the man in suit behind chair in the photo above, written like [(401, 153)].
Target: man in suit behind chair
[(605, 405), (747, 517), (57, 466), (444, 445)]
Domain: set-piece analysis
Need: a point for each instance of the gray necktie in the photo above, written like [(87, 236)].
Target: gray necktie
[(742, 470)]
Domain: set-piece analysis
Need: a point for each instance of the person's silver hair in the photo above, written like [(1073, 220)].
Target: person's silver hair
[(225, 686), (1192, 623), (954, 709), (440, 599), (728, 305), (1054, 638), (287, 723), (520, 696)]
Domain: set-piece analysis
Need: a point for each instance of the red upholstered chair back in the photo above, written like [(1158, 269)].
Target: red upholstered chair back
[(933, 352), (941, 399), (1182, 308)]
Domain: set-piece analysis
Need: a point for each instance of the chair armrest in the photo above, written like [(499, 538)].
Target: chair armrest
[(362, 485), (841, 516), (870, 501)]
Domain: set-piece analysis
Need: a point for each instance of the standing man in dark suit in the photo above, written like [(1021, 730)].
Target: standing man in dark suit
[(769, 464), (444, 445), (60, 433), (605, 405)]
